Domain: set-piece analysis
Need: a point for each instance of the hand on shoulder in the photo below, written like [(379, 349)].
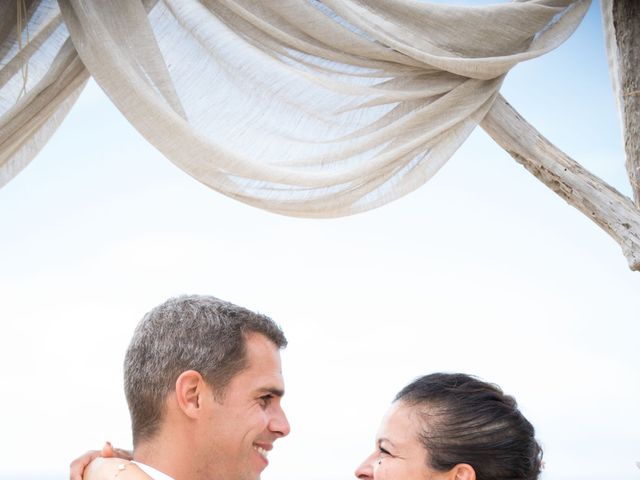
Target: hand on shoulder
[(113, 468)]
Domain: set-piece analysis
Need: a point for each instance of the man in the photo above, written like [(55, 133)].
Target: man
[(203, 383)]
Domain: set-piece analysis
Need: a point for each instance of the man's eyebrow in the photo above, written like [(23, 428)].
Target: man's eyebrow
[(276, 392)]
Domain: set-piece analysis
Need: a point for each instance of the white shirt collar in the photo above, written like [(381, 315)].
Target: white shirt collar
[(152, 472)]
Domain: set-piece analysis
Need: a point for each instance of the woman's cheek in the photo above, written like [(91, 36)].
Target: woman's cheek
[(380, 469)]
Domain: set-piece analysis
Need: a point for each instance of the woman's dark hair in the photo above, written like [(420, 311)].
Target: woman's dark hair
[(466, 420)]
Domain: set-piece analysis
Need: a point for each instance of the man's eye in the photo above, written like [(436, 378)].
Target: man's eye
[(265, 400)]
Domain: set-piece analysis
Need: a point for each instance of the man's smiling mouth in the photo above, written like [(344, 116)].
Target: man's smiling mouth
[(261, 451)]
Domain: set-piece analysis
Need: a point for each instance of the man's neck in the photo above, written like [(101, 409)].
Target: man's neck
[(170, 458)]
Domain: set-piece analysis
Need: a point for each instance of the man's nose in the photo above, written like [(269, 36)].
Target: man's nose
[(279, 423), (365, 470)]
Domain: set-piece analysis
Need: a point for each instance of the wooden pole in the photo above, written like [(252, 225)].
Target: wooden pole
[(613, 212), (622, 34)]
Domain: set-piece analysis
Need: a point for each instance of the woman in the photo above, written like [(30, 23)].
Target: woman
[(440, 427), (454, 427)]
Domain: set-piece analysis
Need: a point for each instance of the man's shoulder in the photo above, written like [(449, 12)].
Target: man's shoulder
[(110, 468), (151, 472)]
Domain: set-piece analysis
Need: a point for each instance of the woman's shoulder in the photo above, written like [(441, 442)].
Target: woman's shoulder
[(113, 468)]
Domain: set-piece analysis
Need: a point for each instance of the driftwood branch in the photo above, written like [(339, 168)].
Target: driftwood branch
[(613, 212), (622, 29)]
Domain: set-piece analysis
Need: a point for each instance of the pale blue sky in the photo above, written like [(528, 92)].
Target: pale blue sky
[(482, 270)]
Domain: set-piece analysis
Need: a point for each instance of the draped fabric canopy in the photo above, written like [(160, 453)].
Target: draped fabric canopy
[(300, 107)]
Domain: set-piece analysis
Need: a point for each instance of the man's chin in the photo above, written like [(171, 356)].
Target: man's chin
[(256, 471)]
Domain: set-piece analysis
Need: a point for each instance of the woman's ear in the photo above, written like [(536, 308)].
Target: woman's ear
[(190, 387), (463, 471)]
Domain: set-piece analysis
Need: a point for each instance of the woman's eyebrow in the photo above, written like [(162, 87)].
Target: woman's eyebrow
[(385, 439)]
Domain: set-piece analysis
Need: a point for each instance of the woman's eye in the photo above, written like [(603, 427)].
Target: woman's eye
[(383, 451)]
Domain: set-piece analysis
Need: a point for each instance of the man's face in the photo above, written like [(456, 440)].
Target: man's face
[(242, 427)]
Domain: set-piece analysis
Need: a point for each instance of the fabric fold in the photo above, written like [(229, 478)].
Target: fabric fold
[(303, 108)]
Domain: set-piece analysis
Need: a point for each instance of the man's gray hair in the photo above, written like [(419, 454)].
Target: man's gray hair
[(195, 332)]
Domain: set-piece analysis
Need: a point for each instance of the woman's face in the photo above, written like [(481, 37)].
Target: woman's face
[(398, 453)]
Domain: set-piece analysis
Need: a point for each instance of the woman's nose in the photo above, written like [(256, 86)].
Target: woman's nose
[(365, 470)]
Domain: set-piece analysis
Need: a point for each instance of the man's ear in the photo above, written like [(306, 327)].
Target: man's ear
[(462, 471), (190, 391)]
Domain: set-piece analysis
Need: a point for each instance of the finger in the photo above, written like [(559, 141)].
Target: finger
[(124, 454), (107, 450)]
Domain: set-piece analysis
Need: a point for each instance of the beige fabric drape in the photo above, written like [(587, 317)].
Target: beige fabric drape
[(41, 76), (298, 107)]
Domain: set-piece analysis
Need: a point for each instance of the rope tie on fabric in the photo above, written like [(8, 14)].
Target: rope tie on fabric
[(22, 23)]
